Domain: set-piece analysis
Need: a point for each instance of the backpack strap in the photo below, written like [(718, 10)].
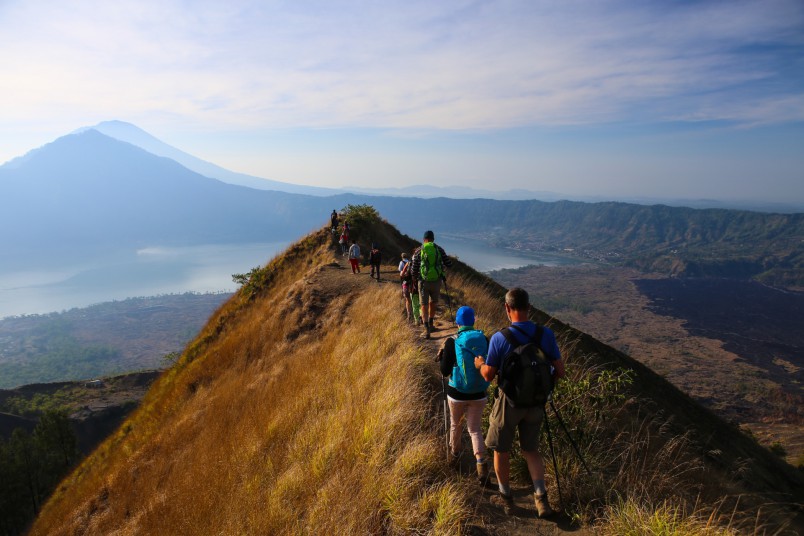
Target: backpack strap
[(538, 335)]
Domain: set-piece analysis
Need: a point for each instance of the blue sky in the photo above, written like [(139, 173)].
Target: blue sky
[(691, 99)]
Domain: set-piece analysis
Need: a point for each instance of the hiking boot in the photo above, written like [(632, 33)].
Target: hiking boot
[(505, 501), (542, 505), (427, 331), (482, 472), (455, 460)]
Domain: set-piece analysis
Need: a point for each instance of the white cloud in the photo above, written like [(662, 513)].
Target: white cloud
[(424, 65)]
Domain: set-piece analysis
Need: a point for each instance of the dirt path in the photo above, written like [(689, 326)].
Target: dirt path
[(488, 518)]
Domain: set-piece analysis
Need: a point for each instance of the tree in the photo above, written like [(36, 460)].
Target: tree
[(56, 441)]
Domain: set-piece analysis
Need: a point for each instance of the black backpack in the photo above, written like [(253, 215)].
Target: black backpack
[(526, 373)]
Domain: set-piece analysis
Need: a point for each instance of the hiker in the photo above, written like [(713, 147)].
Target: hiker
[(415, 304), (506, 417), (354, 257), (413, 284), (429, 262), (344, 242), (466, 391), (333, 218), (405, 276), (375, 257)]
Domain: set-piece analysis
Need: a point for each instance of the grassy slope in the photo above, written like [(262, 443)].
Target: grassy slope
[(285, 416)]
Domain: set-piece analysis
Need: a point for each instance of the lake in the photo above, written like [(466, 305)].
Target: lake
[(487, 259), (160, 270), (146, 272)]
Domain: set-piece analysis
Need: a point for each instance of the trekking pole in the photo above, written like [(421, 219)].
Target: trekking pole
[(446, 415), (553, 456), (449, 301), (572, 442)]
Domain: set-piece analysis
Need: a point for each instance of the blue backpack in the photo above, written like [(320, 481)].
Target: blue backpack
[(465, 377)]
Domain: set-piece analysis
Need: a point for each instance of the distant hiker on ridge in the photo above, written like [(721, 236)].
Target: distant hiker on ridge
[(334, 219), (526, 414), (344, 242), (466, 392), (375, 258), (428, 266), (406, 277), (354, 257)]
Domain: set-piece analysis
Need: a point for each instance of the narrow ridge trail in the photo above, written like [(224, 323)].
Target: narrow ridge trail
[(488, 519)]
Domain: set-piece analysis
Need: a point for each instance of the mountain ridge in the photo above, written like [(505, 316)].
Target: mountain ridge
[(304, 304), (130, 133), (164, 201), (134, 135)]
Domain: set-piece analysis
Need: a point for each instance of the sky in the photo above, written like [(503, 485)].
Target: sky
[(665, 99)]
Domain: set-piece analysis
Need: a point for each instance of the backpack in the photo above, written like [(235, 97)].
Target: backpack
[(465, 377), (405, 275), (526, 373), (430, 267)]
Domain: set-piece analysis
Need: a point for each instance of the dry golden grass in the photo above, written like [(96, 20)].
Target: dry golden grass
[(643, 466), (261, 433), (630, 518), (304, 407)]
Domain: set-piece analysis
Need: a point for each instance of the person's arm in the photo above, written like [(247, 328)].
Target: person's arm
[(416, 262), (447, 356), (488, 371), (560, 371), (550, 345), (446, 261)]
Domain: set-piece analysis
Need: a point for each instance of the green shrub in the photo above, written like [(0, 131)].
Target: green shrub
[(252, 281), (361, 218)]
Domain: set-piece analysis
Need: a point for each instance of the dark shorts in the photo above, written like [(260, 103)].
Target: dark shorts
[(505, 419), (429, 290)]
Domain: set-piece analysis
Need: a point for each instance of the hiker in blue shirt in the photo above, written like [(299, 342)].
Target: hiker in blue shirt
[(466, 392), (505, 419)]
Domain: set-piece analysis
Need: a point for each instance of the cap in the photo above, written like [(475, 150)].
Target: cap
[(429, 235), (465, 316)]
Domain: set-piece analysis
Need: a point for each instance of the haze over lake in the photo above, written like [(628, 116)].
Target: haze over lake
[(159, 270)]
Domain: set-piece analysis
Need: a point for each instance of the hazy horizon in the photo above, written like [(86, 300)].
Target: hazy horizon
[(154, 271), (686, 100)]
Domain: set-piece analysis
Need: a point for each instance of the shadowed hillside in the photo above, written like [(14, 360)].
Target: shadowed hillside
[(307, 405)]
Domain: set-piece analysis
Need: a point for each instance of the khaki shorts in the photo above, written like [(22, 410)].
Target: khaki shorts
[(429, 290), (505, 419)]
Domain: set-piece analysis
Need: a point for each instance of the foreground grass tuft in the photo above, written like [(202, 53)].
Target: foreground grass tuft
[(631, 518)]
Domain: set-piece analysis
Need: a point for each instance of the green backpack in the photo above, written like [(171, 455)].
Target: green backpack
[(430, 262)]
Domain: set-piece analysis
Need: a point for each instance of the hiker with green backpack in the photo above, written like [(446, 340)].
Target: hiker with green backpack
[(466, 391), (428, 265), (526, 361)]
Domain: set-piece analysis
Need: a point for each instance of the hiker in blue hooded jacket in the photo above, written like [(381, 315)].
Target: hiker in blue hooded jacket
[(505, 419), (466, 391), (428, 265)]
